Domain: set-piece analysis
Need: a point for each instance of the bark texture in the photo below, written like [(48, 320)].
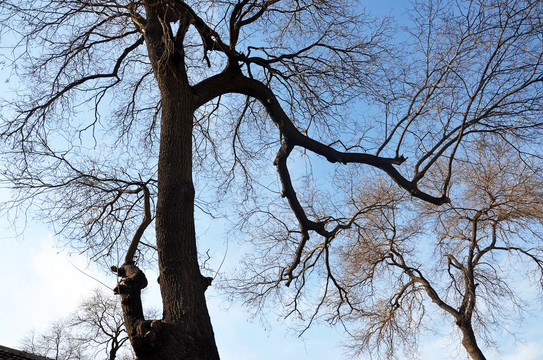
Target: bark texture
[(469, 340), (185, 331)]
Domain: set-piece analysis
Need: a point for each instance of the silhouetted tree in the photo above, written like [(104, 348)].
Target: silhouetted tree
[(95, 331)]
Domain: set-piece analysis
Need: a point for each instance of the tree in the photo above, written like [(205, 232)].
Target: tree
[(483, 245), (496, 223), (461, 71), (94, 330), (56, 343), (125, 102)]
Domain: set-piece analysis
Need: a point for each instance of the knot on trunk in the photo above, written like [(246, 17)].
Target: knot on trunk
[(132, 279), (146, 336), (206, 281)]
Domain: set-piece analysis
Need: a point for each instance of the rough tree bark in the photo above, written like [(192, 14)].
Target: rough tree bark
[(185, 331), (469, 340)]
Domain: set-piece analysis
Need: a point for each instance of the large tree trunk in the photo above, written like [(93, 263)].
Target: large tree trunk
[(469, 341), (189, 334), (185, 332)]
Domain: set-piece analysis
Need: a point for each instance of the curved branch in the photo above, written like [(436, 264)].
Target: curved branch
[(129, 258), (305, 224), (233, 81)]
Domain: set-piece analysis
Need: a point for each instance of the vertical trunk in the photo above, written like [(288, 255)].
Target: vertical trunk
[(185, 332), (181, 283), (469, 341)]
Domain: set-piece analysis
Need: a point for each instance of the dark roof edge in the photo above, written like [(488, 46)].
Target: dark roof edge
[(20, 353)]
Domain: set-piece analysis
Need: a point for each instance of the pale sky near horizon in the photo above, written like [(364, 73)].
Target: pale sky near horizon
[(40, 283)]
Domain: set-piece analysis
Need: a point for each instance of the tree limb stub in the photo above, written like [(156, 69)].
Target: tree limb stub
[(144, 334)]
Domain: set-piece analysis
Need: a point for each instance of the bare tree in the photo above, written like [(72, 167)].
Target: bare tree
[(484, 243), (96, 330), (100, 324), (124, 102), (461, 72), (56, 343)]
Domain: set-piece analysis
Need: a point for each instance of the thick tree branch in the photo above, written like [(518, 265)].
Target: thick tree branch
[(232, 81)]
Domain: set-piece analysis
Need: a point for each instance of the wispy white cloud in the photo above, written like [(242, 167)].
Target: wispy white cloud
[(528, 351), (39, 284)]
